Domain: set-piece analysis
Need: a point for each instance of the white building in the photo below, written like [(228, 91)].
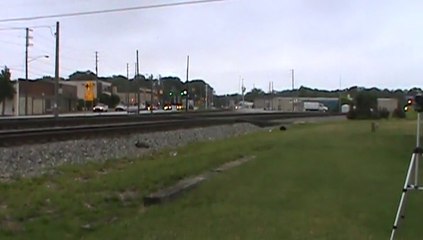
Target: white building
[(81, 90)]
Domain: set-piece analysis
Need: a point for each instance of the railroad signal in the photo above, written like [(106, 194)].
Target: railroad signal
[(408, 105)]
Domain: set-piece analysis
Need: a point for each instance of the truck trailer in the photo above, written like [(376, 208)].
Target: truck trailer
[(314, 107)]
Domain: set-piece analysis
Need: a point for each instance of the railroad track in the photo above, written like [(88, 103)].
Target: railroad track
[(31, 123), (102, 128)]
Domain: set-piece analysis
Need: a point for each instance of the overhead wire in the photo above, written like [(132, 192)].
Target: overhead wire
[(12, 43), (108, 11)]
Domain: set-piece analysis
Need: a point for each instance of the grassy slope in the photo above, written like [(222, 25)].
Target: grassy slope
[(323, 181)]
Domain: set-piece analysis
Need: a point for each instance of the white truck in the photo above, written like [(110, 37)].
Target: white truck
[(314, 107)]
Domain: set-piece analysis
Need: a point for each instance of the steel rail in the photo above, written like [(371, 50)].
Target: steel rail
[(49, 134), (10, 124)]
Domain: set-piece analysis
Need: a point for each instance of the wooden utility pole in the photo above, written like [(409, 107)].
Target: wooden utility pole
[(56, 82), (26, 68), (207, 97), (137, 73), (127, 87), (97, 86), (293, 97), (188, 92)]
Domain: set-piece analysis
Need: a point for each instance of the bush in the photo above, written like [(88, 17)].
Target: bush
[(357, 114), (384, 113), (352, 114), (398, 113), (80, 104), (375, 115)]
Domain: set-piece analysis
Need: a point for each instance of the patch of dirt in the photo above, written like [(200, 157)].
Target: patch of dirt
[(12, 226), (128, 195)]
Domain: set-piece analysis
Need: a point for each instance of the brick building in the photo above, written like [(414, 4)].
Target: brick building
[(37, 97)]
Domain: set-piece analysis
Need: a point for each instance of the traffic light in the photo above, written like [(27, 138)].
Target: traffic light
[(408, 105), (418, 103), (184, 92), (171, 93)]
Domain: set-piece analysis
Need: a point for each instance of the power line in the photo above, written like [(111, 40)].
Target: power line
[(12, 43), (108, 10), (23, 28)]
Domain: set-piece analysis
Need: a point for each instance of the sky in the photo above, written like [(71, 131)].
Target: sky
[(327, 43)]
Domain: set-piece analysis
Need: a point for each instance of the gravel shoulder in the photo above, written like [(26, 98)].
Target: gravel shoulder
[(34, 160)]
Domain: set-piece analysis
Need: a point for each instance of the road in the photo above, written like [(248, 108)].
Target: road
[(82, 114), (114, 113)]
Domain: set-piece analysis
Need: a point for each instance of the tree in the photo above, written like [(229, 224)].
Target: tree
[(7, 91), (109, 100), (365, 106), (253, 94)]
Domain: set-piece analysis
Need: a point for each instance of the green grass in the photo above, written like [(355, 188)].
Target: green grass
[(317, 181)]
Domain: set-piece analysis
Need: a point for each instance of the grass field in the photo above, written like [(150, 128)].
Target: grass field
[(317, 181)]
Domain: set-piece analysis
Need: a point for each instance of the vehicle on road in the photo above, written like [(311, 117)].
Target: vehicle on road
[(179, 107), (100, 108), (315, 107), (120, 108), (167, 107)]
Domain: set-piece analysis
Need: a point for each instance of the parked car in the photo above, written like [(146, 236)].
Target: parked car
[(100, 108), (120, 108), (167, 107)]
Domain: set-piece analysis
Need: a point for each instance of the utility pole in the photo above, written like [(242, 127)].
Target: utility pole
[(127, 86), (151, 95), (242, 91), (26, 67), (292, 79), (188, 92), (138, 65), (27, 45), (56, 82), (96, 63), (137, 73), (97, 92), (340, 94), (207, 97)]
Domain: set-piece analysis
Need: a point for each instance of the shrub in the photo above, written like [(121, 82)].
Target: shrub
[(384, 113), (352, 114), (398, 113)]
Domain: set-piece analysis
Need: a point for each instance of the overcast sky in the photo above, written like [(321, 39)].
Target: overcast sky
[(376, 43)]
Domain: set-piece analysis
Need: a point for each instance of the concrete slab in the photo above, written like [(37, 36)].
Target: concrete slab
[(170, 193)]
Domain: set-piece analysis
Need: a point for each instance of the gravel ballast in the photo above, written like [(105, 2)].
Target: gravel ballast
[(33, 160)]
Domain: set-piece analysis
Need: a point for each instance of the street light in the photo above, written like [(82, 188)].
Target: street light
[(26, 78), (33, 59)]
